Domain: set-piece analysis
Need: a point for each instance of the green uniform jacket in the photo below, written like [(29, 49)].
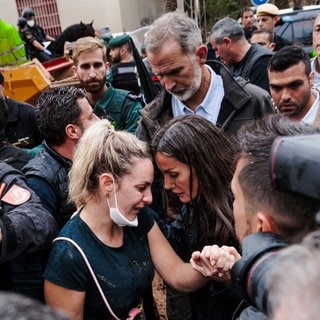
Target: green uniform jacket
[(121, 107)]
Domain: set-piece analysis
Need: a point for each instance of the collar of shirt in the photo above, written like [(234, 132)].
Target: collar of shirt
[(210, 106), (311, 114), (315, 72)]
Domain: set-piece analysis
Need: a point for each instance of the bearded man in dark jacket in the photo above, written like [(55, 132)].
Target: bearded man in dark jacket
[(193, 85)]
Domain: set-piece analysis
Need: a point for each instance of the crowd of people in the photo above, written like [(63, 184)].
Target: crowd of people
[(99, 189)]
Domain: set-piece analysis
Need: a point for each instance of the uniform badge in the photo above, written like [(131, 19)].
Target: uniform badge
[(16, 195)]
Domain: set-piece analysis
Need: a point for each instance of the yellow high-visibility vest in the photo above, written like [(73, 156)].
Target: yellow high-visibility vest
[(12, 50)]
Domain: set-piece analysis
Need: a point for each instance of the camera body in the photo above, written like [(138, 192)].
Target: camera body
[(294, 167), (248, 274)]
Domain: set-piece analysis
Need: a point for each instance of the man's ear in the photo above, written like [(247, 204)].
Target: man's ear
[(123, 50), (74, 69), (276, 20), (272, 46), (2, 95), (227, 41), (201, 53), (266, 223), (73, 132), (311, 78)]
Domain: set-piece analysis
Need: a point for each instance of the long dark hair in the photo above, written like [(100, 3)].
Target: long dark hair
[(209, 152)]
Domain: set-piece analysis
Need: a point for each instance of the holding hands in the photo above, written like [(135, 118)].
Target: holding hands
[(215, 262)]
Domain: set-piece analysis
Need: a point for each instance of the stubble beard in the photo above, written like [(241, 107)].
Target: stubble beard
[(193, 88)]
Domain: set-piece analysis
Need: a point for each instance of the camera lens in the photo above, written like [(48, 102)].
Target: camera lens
[(248, 274)]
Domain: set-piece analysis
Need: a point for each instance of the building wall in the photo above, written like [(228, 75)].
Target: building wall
[(119, 15), (9, 12), (138, 13), (101, 12)]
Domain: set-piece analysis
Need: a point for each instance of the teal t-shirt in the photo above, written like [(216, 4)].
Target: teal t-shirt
[(124, 273)]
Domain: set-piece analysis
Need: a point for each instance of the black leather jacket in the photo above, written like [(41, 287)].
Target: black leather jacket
[(27, 231), (21, 129), (215, 300), (25, 227), (242, 101)]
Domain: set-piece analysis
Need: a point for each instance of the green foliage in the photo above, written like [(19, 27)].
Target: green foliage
[(217, 9), (213, 10)]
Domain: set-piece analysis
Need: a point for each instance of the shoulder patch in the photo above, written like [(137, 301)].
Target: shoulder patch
[(16, 195)]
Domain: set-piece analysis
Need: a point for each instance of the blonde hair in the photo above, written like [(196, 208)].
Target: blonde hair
[(87, 45), (100, 150)]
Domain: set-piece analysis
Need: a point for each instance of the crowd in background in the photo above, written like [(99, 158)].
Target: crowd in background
[(153, 163)]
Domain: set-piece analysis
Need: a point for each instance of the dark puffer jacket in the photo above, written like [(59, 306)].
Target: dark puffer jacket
[(47, 174)]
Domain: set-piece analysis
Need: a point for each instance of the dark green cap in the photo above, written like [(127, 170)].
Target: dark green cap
[(106, 37), (119, 41)]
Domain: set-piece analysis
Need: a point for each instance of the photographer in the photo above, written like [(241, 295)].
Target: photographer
[(257, 206), (296, 271)]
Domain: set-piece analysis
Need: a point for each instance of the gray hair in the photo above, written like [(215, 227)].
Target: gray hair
[(19, 307), (296, 270), (227, 27), (174, 25)]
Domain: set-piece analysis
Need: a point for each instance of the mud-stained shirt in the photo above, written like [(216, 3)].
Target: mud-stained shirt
[(124, 273)]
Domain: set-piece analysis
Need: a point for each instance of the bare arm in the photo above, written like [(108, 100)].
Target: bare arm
[(171, 268), (49, 38), (71, 301), (38, 45)]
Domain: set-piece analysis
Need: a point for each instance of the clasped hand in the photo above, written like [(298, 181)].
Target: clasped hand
[(215, 262)]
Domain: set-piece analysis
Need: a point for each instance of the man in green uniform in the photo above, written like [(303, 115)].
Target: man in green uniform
[(123, 72), (91, 67)]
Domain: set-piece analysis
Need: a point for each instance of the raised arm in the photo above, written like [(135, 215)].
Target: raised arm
[(171, 268)]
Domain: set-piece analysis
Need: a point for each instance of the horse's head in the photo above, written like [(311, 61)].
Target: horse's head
[(71, 34), (87, 29)]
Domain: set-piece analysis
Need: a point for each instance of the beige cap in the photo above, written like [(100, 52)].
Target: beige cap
[(267, 9)]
